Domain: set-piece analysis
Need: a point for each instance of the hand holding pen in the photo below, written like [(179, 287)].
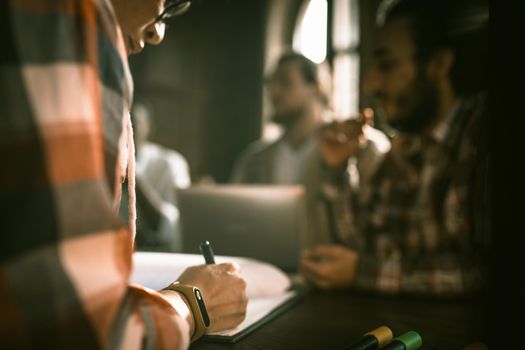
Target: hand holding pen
[(222, 287)]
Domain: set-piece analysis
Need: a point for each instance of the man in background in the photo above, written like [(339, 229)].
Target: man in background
[(423, 226), (298, 102)]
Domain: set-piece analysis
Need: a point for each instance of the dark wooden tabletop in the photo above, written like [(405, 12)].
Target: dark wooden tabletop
[(331, 320)]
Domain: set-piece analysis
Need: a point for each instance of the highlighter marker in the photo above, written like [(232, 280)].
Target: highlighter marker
[(408, 341), (373, 339)]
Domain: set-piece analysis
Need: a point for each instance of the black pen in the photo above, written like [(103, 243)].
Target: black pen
[(207, 252)]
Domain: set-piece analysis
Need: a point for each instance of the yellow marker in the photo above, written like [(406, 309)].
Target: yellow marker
[(373, 339)]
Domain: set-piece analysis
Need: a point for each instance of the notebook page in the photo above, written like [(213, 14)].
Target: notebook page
[(158, 270)]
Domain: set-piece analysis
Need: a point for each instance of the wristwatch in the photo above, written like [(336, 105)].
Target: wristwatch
[(194, 297)]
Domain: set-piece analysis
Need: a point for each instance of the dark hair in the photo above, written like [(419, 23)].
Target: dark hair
[(308, 69), (459, 25)]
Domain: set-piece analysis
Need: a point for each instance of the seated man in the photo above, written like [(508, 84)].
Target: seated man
[(420, 226), (298, 105)]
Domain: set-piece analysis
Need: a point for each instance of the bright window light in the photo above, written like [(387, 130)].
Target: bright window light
[(345, 30), (346, 85), (310, 35)]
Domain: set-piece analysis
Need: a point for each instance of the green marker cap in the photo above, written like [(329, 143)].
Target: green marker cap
[(412, 340)]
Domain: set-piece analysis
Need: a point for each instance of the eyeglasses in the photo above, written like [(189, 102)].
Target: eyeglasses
[(173, 9)]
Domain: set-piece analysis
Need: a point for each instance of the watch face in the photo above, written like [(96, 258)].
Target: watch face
[(202, 307)]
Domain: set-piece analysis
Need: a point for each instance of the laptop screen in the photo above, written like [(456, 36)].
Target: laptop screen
[(261, 222)]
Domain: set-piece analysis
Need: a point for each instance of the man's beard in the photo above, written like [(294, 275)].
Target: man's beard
[(420, 105), (289, 117)]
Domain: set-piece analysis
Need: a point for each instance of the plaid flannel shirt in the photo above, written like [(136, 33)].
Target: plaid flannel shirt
[(65, 91), (412, 223)]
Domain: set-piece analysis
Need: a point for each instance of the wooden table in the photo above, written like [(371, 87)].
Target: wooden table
[(331, 320)]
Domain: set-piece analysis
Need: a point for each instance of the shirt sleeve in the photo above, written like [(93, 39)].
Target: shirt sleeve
[(65, 257)]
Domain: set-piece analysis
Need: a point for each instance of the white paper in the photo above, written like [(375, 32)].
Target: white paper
[(266, 285), (158, 270)]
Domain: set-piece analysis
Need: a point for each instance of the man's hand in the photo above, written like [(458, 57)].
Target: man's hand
[(340, 140), (224, 293), (329, 267)]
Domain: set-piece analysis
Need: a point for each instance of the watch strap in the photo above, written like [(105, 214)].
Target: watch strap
[(195, 301)]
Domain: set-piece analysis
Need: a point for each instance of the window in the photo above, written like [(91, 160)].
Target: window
[(311, 39), (310, 34), (345, 43)]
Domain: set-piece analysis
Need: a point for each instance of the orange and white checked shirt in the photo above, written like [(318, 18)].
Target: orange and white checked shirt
[(65, 258)]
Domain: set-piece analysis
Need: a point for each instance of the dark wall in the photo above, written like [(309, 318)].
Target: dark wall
[(204, 83)]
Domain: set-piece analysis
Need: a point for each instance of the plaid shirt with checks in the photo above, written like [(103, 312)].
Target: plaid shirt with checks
[(413, 224), (65, 257)]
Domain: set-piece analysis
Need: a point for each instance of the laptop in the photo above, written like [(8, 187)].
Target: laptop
[(261, 222)]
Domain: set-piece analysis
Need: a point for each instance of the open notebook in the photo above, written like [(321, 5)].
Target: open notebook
[(268, 288)]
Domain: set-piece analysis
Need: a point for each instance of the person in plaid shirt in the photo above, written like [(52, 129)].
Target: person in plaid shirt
[(65, 149), (417, 225)]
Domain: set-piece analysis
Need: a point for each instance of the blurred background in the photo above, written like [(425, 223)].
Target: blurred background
[(204, 85)]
